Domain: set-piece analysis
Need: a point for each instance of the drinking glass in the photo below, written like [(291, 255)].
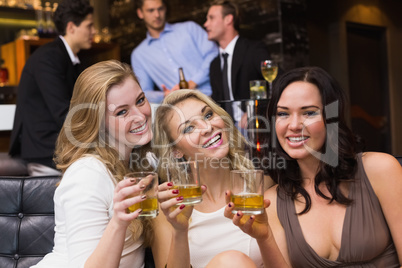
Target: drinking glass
[(258, 89), (247, 187), (269, 70), (150, 205), (185, 177)]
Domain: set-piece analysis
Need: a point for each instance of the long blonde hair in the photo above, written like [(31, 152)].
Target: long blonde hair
[(236, 154), (83, 132)]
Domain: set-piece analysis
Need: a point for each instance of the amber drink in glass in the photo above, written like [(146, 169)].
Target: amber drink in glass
[(150, 205), (185, 177), (247, 188)]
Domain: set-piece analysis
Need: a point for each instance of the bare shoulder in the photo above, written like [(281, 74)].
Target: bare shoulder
[(271, 194), (268, 182), (383, 170), (385, 175), (380, 164), (377, 158)]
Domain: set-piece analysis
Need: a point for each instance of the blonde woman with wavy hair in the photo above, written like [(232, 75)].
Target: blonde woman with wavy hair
[(108, 121), (189, 125), (236, 155)]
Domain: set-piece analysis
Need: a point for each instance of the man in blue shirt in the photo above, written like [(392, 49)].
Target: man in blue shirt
[(168, 47)]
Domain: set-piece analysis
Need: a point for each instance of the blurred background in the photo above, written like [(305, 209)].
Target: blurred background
[(357, 41)]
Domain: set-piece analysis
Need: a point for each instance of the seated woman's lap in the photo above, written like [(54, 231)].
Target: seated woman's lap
[(232, 259)]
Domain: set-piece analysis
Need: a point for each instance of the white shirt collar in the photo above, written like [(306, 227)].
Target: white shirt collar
[(74, 59), (230, 47)]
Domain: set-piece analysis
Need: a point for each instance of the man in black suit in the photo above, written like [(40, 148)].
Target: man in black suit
[(244, 56), (46, 87)]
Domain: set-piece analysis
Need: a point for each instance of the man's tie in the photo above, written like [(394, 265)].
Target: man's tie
[(226, 93)]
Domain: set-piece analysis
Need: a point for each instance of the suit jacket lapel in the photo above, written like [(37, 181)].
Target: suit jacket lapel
[(238, 54), (73, 71), (216, 77)]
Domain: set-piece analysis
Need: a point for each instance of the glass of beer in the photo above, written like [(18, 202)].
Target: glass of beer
[(247, 187), (150, 205), (186, 178)]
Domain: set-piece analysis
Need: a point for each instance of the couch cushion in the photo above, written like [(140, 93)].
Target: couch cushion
[(26, 219)]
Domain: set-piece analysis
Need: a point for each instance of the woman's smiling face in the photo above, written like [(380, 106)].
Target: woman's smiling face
[(197, 130), (299, 123), (128, 115)]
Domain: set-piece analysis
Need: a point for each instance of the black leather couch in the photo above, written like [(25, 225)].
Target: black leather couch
[(26, 219)]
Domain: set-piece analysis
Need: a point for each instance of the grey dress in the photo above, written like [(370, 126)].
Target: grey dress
[(366, 239)]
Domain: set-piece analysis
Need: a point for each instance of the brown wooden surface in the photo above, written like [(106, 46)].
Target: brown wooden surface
[(24, 48), (16, 53), (10, 62)]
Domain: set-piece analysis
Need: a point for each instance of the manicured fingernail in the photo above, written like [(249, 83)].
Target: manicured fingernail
[(175, 191), (182, 206), (226, 193), (179, 198), (132, 180), (143, 196), (230, 205), (170, 184), (251, 217), (238, 214), (139, 211)]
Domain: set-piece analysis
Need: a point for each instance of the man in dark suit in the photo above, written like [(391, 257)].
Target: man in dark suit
[(46, 87), (244, 56)]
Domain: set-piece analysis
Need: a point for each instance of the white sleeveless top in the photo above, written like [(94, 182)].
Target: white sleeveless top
[(212, 233)]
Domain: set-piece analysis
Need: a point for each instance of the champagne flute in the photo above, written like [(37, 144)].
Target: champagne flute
[(269, 70)]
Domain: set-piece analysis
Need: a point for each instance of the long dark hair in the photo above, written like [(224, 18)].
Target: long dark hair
[(338, 155)]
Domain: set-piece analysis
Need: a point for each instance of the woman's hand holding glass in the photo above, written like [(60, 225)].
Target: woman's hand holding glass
[(126, 194), (148, 182), (170, 203), (254, 225)]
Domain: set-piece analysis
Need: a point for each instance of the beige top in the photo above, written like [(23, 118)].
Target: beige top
[(366, 239)]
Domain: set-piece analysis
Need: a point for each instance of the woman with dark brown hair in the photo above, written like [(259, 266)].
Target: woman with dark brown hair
[(333, 206)]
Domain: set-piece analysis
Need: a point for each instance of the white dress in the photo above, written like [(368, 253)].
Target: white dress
[(212, 233), (83, 207)]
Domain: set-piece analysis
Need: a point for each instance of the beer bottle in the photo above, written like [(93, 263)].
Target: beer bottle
[(183, 83)]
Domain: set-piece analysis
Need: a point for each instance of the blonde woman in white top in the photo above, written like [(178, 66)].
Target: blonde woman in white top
[(109, 116), (190, 125)]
